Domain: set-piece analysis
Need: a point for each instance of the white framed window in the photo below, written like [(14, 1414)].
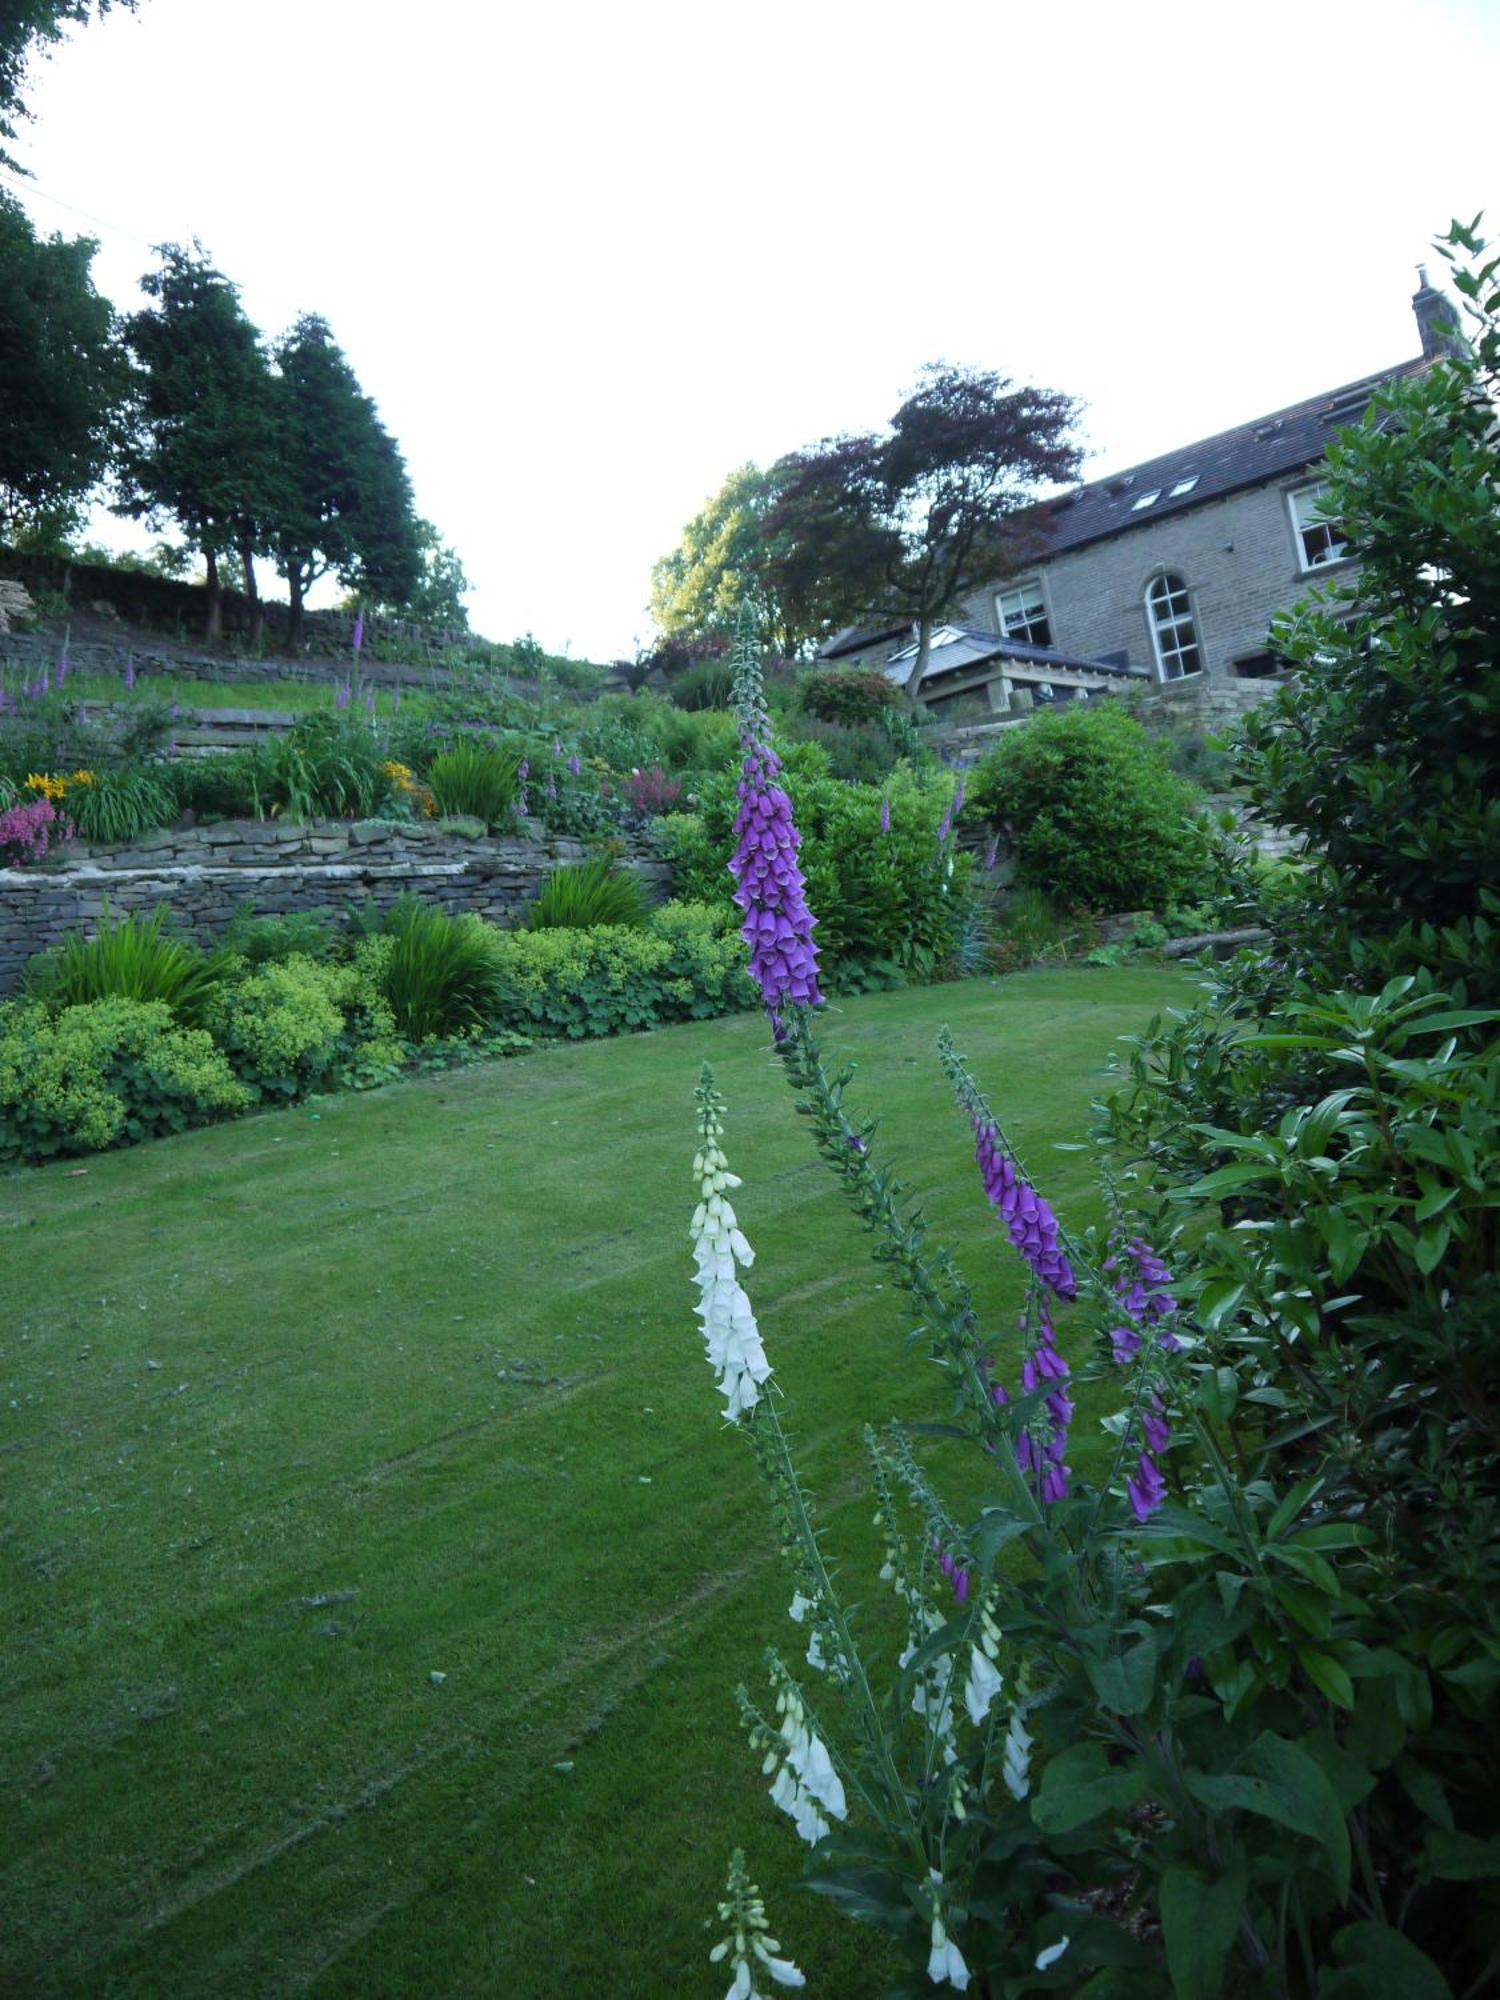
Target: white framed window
[(1183, 486), (1174, 632), (1022, 613), (1319, 535), (1146, 500)]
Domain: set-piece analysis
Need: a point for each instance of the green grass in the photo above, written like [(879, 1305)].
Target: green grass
[(303, 1411), (279, 697)]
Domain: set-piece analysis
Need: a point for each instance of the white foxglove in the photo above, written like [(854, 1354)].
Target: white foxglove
[(983, 1684), (748, 1945), (1017, 1770), (807, 1779), (730, 1333), (945, 1963)]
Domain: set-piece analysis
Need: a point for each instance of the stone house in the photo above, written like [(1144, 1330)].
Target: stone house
[(1168, 573)]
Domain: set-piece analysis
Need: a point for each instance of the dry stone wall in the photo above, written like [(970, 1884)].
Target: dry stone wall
[(204, 874)]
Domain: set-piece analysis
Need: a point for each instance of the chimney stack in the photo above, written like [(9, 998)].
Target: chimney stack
[(1435, 320)]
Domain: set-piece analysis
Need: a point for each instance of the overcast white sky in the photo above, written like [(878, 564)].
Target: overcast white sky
[(589, 257)]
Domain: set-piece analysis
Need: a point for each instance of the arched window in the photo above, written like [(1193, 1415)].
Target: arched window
[(1173, 632)]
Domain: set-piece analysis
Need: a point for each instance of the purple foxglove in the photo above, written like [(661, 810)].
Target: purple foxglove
[(574, 765), (992, 852), (129, 672), (885, 813), (359, 633), (1028, 1218), (1147, 1489)]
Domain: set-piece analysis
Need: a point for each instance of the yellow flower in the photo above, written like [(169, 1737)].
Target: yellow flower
[(49, 788), (399, 775), (79, 778)]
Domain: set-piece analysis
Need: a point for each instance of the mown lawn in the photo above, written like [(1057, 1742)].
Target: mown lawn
[(376, 1572), (309, 697)]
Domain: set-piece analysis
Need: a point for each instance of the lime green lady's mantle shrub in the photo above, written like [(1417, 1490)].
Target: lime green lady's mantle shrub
[(685, 964), (297, 1025), (107, 1073)]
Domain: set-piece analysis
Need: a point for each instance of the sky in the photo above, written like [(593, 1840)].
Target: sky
[(588, 258)]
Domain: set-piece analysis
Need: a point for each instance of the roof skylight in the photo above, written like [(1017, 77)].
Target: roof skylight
[(1183, 486), (1146, 500)]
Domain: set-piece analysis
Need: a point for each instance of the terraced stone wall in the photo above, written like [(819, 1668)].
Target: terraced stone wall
[(204, 874)]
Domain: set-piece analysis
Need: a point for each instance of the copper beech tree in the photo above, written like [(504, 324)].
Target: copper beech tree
[(902, 523)]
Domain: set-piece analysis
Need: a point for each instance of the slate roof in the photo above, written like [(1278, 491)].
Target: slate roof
[(957, 646), (1268, 448)]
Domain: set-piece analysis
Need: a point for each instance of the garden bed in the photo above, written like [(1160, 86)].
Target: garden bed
[(206, 873)]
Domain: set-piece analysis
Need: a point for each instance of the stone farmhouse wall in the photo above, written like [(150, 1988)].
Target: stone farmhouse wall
[(204, 874), (1238, 556)]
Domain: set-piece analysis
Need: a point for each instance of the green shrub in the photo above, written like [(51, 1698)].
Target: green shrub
[(859, 753), (891, 905), (477, 780), (226, 787), (106, 1073), (260, 940), (707, 970), (706, 685), (278, 1027), (295, 1025), (130, 958), (440, 973), (324, 767), (619, 731), (686, 963), (121, 802), (848, 694), (581, 894), (1098, 820)]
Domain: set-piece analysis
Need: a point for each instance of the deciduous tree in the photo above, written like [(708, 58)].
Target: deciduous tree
[(25, 27), (344, 502), (62, 375), (904, 522), (205, 447)]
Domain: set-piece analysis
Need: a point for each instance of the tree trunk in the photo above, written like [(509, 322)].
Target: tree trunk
[(294, 587), (252, 592), (919, 665), (213, 628)]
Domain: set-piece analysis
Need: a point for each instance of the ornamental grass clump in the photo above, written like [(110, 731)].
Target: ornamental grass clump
[(129, 958), (441, 976), (581, 894), (1151, 1714), (477, 781)]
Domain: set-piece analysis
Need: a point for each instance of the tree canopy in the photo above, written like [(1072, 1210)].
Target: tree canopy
[(25, 26), (62, 374), (904, 522), (204, 445), (344, 502)]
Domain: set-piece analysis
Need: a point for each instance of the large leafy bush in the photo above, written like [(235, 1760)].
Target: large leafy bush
[(848, 694), (1098, 818), (891, 901), (102, 1074)]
